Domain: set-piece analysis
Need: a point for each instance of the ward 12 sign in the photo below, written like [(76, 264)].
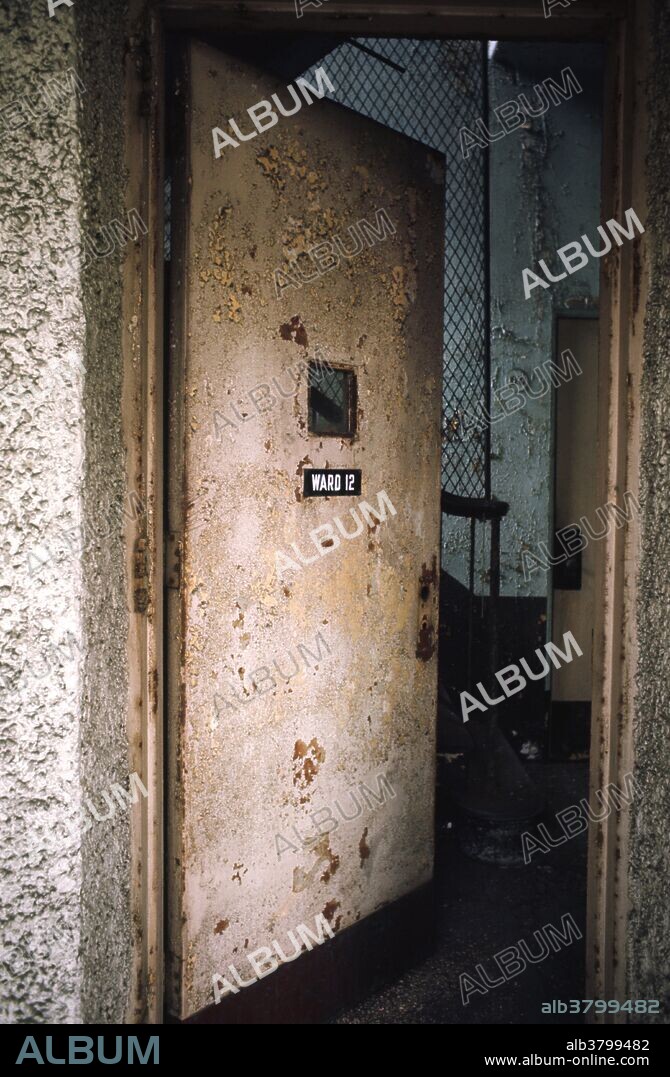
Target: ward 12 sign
[(331, 482)]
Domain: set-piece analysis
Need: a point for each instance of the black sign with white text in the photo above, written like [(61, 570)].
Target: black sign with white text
[(332, 482)]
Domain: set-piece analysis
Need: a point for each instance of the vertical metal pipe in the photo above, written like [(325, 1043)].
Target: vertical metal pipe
[(494, 563), (486, 221), (490, 725), (471, 599)]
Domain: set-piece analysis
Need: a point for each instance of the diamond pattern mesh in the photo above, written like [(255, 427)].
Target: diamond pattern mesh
[(433, 89), (331, 383), (330, 410)]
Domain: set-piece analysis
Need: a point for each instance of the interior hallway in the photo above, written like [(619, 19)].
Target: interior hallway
[(482, 908)]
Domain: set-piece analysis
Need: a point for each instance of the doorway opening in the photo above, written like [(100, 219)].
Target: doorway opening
[(519, 454), (511, 474)]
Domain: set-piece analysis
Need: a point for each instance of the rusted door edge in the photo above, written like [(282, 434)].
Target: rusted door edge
[(623, 298), (142, 342)]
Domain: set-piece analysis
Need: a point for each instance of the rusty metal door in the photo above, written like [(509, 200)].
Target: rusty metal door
[(302, 629)]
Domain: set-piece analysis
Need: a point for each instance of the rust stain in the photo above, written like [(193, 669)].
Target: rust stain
[(307, 758), (428, 576), (221, 927), (299, 471), (295, 331), (363, 847), (425, 647), (236, 873), (153, 691), (240, 620), (333, 865), (329, 911)]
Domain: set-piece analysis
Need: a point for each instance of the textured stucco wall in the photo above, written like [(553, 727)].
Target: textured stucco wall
[(42, 349), (63, 674), (649, 925)]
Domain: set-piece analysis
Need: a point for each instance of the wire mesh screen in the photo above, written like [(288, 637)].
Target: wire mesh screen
[(332, 403), (429, 90)]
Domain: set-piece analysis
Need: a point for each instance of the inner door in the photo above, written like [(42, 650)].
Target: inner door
[(302, 629)]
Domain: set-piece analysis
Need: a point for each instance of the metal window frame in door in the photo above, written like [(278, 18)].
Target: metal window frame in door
[(623, 27)]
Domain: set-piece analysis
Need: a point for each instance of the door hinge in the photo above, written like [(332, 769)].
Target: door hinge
[(140, 576), (425, 644), (173, 562)]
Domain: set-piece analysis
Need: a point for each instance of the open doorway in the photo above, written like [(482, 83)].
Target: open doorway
[(491, 336), (521, 129)]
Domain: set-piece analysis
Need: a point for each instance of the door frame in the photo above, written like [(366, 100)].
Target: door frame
[(624, 283)]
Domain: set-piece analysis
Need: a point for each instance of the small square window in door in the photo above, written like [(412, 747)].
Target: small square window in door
[(331, 401)]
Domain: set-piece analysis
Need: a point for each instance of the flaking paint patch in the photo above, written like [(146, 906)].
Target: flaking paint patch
[(295, 331), (288, 160), (363, 847), (221, 271), (402, 289), (307, 758), (329, 910), (301, 465), (238, 873), (324, 858)]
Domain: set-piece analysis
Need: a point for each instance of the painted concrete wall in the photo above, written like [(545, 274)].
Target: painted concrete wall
[(62, 677), (649, 925), (545, 192)]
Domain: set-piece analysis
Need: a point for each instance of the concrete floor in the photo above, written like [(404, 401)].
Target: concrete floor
[(482, 908)]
